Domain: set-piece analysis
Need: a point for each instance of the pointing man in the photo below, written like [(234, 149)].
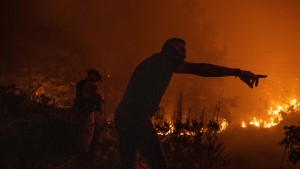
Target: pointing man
[(143, 94)]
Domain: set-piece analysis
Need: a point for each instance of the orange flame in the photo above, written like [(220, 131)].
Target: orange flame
[(223, 124), (274, 116)]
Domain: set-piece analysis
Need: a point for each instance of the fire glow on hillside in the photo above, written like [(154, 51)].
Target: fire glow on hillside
[(221, 122), (274, 116)]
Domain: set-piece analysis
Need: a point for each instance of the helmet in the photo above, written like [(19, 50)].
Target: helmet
[(96, 72)]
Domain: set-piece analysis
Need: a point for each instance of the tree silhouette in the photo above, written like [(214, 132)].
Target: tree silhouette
[(291, 142)]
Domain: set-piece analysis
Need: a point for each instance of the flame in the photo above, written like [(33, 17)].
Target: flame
[(243, 125), (274, 116), (190, 133), (171, 129), (223, 124)]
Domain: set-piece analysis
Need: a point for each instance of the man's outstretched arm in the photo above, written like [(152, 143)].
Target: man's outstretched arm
[(206, 70), (210, 70)]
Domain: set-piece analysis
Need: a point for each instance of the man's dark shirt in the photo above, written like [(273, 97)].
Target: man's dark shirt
[(147, 86)]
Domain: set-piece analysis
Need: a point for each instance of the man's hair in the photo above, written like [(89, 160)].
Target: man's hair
[(168, 45)]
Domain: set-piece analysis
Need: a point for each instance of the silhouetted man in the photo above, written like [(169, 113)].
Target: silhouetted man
[(142, 97), (86, 104)]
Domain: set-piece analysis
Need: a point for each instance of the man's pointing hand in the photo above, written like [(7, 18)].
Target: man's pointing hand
[(250, 78)]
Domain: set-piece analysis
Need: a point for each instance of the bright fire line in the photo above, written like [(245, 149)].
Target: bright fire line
[(274, 116)]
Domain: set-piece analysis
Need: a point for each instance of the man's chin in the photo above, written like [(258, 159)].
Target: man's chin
[(181, 57)]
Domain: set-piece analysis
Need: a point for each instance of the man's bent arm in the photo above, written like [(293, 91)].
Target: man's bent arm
[(207, 70)]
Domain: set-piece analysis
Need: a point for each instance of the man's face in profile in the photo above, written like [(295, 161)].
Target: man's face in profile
[(180, 48)]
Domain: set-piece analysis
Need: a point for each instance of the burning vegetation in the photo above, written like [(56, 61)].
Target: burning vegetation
[(275, 115)]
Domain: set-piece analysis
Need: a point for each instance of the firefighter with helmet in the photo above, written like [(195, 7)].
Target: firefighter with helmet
[(87, 103)]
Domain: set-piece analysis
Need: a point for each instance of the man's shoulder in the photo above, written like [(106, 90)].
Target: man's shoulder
[(82, 82), (158, 61), (87, 83), (158, 57), (90, 83), (155, 56)]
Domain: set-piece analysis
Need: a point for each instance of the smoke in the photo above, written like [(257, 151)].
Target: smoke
[(61, 39)]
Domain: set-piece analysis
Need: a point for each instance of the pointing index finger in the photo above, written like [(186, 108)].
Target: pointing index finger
[(261, 76)]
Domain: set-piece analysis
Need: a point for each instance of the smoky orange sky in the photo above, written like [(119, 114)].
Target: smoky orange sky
[(60, 39), (260, 36)]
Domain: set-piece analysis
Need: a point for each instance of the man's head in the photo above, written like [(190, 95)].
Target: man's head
[(175, 46), (94, 74)]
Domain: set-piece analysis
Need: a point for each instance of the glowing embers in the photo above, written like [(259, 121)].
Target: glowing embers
[(218, 125), (168, 129), (274, 116)]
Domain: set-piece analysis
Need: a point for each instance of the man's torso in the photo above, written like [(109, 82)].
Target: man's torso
[(147, 85)]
